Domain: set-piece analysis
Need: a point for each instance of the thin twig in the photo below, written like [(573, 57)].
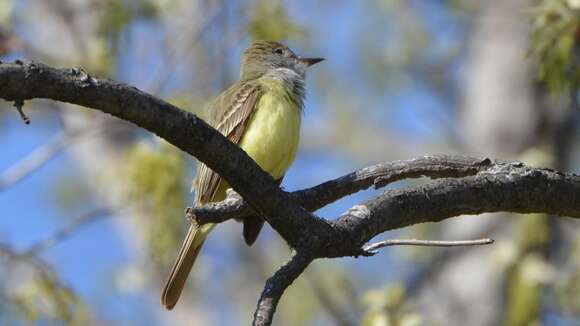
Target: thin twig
[(372, 248), (38, 157), (18, 104), (67, 230), (438, 261)]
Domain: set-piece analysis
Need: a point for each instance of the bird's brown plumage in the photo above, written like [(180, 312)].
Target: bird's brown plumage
[(242, 101)]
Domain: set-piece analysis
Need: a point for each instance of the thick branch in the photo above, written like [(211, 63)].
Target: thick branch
[(511, 187), (186, 131), (483, 186)]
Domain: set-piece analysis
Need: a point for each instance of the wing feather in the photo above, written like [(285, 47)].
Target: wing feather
[(234, 117)]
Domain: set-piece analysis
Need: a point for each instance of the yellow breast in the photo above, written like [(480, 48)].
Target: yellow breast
[(273, 132)]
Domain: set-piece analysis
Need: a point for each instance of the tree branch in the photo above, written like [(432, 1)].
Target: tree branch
[(483, 186), (471, 186), (19, 81), (511, 187), (379, 175)]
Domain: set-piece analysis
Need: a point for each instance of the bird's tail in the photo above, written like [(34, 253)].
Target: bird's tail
[(187, 254)]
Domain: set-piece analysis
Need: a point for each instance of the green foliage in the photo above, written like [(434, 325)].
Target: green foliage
[(6, 8), (44, 299), (69, 195), (115, 16), (156, 177), (300, 305), (555, 43), (269, 21), (525, 286), (529, 272), (118, 14), (568, 287), (387, 307), (325, 291), (533, 231)]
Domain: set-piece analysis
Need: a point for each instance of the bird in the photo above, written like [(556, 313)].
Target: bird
[(261, 113)]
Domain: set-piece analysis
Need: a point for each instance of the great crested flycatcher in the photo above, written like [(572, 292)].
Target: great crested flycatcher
[(261, 113)]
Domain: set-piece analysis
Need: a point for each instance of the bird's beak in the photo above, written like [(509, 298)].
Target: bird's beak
[(310, 61)]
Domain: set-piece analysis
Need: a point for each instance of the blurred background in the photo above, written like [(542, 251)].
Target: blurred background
[(91, 207)]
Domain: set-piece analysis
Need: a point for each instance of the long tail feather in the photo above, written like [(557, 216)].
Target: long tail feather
[(187, 254)]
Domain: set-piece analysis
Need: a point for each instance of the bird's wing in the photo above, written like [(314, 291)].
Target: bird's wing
[(234, 106)]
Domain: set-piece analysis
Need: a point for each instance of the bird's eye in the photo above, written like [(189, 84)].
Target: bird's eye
[(279, 51)]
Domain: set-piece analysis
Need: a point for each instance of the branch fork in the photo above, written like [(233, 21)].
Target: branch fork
[(402, 207)]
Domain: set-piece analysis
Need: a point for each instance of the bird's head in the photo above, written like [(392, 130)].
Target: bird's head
[(262, 57)]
